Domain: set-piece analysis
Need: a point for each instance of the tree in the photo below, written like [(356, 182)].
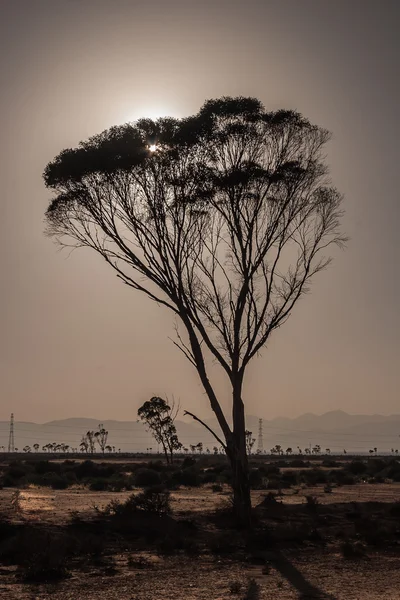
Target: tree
[(84, 444), (91, 441), (289, 451), (159, 417), (26, 449), (224, 218), (278, 449), (101, 436), (36, 447), (250, 441)]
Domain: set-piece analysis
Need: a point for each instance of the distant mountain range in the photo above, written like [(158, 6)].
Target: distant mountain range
[(336, 430)]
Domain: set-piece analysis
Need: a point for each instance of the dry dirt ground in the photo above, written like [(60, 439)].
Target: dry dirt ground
[(303, 574)]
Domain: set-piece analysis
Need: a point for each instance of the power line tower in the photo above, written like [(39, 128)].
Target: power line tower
[(260, 442), (11, 447)]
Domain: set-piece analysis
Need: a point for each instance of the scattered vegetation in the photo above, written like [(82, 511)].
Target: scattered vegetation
[(284, 473)]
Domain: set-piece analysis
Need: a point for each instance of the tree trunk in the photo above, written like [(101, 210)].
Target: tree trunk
[(241, 487), (237, 455)]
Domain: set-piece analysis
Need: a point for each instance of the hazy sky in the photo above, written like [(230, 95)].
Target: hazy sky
[(73, 340)]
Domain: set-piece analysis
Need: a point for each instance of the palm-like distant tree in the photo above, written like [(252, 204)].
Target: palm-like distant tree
[(36, 447)]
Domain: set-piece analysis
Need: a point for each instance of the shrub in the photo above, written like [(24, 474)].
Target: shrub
[(235, 587), (147, 478), (154, 500), (252, 591), (188, 461), (44, 466), (357, 467), (216, 488), (225, 542), (312, 503), (189, 477), (352, 550), (98, 485), (256, 479)]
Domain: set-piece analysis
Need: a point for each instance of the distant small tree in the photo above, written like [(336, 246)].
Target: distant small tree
[(376, 451), (27, 449), (328, 451), (215, 450), (101, 437), (199, 447), (289, 451), (159, 417), (90, 436), (299, 450), (250, 441), (36, 447), (84, 445), (109, 449)]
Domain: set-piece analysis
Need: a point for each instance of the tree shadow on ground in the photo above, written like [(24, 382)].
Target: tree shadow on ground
[(306, 590)]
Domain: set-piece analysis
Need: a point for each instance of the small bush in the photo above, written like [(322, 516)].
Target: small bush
[(235, 587), (98, 485), (153, 500), (252, 591), (312, 503), (357, 467), (189, 477), (352, 550), (188, 461), (225, 542), (217, 488), (147, 478)]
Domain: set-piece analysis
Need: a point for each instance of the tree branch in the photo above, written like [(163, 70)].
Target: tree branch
[(186, 412)]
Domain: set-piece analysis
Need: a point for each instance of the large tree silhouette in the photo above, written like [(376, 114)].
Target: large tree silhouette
[(224, 218)]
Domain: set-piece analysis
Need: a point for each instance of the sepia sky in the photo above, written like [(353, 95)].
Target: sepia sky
[(73, 340)]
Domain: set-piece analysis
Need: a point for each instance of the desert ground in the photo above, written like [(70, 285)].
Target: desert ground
[(304, 560)]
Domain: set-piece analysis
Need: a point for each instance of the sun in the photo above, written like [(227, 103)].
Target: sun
[(153, 147)]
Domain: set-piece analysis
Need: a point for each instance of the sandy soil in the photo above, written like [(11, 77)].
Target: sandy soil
[(309, 573), (326, 577), (56, 506)]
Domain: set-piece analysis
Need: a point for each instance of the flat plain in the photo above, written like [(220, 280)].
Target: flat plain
[(302, 548)]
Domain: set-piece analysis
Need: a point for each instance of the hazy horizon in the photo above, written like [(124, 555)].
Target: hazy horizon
[(73, 338)]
